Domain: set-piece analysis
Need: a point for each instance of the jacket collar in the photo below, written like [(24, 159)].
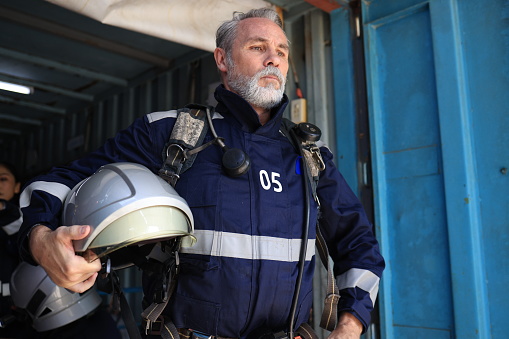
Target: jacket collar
[(239, 112)]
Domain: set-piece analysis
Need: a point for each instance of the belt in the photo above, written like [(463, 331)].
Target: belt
[(157, 327), (305, 331), (186, 333)]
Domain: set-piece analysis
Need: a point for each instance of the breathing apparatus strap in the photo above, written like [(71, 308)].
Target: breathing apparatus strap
[(188, 132), (161, 260), (152, 315), (329, 319), (315, 164), (109, 282), (306, 331), (168, 262), (127, 314)]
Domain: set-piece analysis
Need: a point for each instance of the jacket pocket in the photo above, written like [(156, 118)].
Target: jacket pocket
[(193, 313), (199, 186)]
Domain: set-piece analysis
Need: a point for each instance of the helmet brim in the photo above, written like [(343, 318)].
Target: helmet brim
[(147, 225)]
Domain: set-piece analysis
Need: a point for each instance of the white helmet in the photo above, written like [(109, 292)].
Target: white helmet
[(126, 204), (50, 306)]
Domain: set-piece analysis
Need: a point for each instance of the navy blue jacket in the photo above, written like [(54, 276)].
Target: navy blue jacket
[(241, 274), (10, 222)]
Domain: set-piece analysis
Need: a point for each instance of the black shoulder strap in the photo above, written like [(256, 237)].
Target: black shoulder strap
[(315, 164), (188, 133), (287, 124), (311, 153)]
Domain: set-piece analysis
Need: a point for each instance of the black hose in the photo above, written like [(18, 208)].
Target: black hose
[(303, 248)]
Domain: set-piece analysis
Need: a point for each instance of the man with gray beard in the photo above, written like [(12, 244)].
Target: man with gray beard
[(239, 279), (247, 87)]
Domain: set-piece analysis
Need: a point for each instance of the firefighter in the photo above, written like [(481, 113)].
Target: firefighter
[(239, 279)]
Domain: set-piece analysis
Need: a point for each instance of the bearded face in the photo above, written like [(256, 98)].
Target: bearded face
[(248, 87)]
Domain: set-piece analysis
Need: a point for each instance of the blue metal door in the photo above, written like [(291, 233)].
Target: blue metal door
[(438, 84), (408, 176)]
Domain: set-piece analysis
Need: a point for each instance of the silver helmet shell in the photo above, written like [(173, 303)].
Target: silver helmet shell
[(49, 306), (126, 204)]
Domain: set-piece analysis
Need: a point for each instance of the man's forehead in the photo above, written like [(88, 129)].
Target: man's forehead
[(263, 30), (282, 44)]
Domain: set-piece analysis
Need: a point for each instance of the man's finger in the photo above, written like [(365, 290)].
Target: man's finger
[(78, 232), (84, 285), (89, 256)]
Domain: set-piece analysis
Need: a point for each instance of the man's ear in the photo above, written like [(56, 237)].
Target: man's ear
[(220, 56), (17, 188)]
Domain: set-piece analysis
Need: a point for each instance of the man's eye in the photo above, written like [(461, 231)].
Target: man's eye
[(258, 48)]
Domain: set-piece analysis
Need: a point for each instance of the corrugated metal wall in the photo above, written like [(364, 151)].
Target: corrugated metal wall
[(88, 127)]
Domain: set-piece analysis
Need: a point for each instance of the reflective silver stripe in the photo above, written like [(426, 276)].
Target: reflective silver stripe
[(161, 115), (152, 117), (363, 279), (235, 245), (5, 290), (58, 190), (13, 227)]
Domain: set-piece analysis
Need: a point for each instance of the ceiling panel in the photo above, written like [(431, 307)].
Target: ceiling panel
[(69, 60)]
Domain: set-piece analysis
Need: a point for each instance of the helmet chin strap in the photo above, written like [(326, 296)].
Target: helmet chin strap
[(169, 265), (125, 309)]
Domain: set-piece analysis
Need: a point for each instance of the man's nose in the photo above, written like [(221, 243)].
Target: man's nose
[(272, 59)]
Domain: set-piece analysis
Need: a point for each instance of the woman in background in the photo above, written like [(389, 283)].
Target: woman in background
[(10, 221)]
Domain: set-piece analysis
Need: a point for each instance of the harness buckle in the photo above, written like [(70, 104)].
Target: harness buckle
[(315, 152), (169, 176), (150, 329), (179, 155), (169, 272)]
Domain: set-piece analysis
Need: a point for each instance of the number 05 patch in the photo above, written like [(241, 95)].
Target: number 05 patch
[(271, 181)]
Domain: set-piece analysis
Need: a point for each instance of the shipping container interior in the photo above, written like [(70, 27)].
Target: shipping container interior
[(89, 80)]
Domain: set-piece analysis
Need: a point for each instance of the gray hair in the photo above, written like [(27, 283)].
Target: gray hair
[(227, 32)]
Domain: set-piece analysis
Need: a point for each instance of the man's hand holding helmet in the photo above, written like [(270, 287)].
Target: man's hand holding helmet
[(120, 205), (54, 251)]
